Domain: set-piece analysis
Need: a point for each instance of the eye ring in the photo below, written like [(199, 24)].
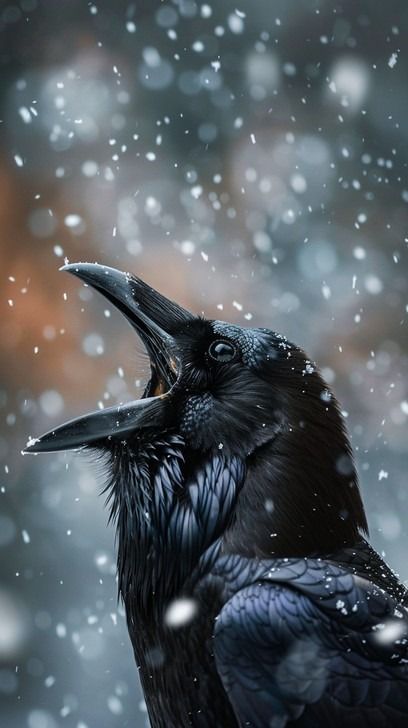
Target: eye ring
[(222, 351)]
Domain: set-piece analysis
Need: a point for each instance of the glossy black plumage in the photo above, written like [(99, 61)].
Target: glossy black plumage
[(235, 497)]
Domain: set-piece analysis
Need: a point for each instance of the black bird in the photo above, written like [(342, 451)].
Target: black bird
[(251, 594)]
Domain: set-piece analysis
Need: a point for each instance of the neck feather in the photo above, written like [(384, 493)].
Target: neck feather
[(167, 518), (301, 495)]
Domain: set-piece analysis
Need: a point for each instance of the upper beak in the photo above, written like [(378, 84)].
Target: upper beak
[(155, 318)]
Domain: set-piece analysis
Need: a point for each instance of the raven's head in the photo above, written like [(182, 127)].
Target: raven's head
[(245, 392)]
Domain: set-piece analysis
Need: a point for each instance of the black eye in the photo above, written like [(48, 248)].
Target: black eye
[(222, 351)]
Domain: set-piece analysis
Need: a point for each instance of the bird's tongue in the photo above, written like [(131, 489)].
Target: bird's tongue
[(154, 317)]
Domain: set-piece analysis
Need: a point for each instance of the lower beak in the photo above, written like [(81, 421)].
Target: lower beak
[(155, 318)]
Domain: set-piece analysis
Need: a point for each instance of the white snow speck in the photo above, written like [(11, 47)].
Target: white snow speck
[(72, 220), (309, 368), (61, 630), (340, 605), (359, 252), (180, 612), (326, 291), (236, 22), (298, 183), (404, 407), (93, 345), (253, 140), (115, 705), (196, 191), (32, 441), (131, 26), (373, 284), (40, 719), (25, 114), (187, 247), (392, 61), (288, 216), (18, 160), (198, 46), (326, 395), (382, 475), (51, 402), (386, 633), (152, 206), (26, 536), (89, 168)]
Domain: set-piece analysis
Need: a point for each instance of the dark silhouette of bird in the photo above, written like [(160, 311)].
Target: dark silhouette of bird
[(252, 596)]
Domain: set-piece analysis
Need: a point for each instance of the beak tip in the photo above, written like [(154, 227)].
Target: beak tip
[(87, 272), (47, 444), (31, 445), (75, 267), (71, 267)]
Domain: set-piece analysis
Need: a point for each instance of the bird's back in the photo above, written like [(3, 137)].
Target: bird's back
[(314, 641)]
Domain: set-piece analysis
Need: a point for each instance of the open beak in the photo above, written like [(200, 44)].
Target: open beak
[(155, 318)]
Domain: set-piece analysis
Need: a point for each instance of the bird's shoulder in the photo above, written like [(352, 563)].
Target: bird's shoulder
[(353, 589), (308, 631)]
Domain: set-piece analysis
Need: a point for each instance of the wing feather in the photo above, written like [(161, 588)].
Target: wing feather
[(286, 652)]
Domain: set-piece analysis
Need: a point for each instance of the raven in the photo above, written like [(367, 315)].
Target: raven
[(252, 596)]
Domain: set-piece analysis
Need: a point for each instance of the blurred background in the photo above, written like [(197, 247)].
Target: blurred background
[(246, 158)]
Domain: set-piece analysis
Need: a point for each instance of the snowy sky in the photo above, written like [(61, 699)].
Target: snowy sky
[(249, 161)]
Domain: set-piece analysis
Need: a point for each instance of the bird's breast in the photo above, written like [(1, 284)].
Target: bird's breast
[(176, 661)]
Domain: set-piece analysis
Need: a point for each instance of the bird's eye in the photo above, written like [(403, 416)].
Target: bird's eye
[(222, 351)]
